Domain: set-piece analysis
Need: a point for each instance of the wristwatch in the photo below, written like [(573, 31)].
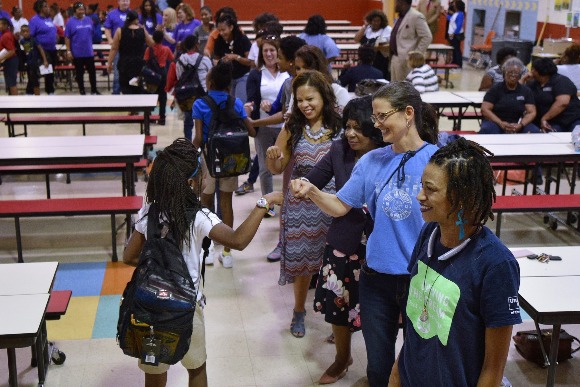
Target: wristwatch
[(262, 203)]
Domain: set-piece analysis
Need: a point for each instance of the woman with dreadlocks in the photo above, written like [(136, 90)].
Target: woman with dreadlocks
[(174, 186), (463, 295), (386, 179)]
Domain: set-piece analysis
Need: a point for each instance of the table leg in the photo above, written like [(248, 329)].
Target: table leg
[(130, 179), (12, 372), (553, 355), (146, 123)]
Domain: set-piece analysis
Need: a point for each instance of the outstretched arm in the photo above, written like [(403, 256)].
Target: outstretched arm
[(239, 238), (328, 203)]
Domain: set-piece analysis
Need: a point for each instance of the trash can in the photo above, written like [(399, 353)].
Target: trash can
[(523, 48)]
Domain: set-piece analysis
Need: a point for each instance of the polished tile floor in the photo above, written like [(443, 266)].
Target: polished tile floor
[(248, 314)]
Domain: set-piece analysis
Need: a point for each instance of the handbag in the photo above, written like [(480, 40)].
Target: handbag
[(368, 87), (152, 74), (528, 345)]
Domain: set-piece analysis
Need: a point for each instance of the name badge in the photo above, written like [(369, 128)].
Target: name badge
[(520, 98), (548, 88)]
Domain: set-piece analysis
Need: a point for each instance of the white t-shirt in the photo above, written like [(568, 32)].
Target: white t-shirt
[(58, 20), (18, 24), (254, 52), (270, 87), (383, 34), (204, 221)]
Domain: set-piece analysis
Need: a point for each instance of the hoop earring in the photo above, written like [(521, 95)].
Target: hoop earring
[(461, 222)]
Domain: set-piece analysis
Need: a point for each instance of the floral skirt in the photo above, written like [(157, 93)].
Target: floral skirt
[(337, 289)]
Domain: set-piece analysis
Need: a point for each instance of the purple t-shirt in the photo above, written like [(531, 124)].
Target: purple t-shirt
[(115, 19), (80, 33), (184, 29), (148, 22), (44, 31)]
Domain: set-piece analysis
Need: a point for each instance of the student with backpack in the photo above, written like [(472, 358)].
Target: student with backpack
[(187, 76), (158, 57), (219, 84), (174, 184)]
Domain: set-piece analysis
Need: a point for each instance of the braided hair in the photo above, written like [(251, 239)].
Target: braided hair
[(168, 186), (470, 179)]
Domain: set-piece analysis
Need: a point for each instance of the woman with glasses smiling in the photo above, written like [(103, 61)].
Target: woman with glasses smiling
[(387, 181), (508, 107)]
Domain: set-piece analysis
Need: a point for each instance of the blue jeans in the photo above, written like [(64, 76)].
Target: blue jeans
[(382, 298), (569, 128), (488, 127)]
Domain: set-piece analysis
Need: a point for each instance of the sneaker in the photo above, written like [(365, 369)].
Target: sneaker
[(161, 121), (226, 259), (95, 93), (276, 254), (82, 92), (209, 260), (270, 213), (244, 188)]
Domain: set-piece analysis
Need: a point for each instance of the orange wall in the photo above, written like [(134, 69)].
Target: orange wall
[(557, 31), (353, 10)]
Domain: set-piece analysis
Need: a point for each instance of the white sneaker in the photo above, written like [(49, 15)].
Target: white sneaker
[(226, 259), (210, 257)]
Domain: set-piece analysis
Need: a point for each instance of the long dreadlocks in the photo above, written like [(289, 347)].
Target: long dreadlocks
[(470, 184), (168, 186)]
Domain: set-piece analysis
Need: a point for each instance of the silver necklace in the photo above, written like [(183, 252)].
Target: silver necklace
[(314, 136), (454, 251)]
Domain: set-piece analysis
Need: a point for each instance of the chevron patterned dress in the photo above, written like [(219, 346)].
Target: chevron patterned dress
[(304, 225)]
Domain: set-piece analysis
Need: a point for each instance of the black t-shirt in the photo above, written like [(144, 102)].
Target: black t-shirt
[(241, 45), (546, 95), (509, 105)]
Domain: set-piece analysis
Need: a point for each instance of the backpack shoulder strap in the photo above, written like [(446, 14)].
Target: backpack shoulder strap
[(153, 222), (198, 61)]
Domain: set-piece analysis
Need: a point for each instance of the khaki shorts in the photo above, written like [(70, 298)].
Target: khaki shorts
[(195, 356), (227, 184)]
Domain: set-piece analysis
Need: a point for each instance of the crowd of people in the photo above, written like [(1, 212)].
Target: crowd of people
[(368, 199)]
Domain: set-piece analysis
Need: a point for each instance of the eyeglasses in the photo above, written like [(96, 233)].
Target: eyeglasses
[(382, 117), (197, 168), (270, 37)]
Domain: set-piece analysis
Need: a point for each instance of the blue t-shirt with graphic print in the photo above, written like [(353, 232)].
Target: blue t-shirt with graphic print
[(393, 206), (473, 289)]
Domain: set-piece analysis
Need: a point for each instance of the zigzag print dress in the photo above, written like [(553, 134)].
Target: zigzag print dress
[(304, 225)]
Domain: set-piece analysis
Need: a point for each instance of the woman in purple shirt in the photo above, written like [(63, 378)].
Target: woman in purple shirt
[(44, 31), (187, 24), (149, 17)]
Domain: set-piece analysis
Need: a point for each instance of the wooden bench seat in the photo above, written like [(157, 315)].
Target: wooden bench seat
[(51, 169), (27, 120), (534, 203), (71, 207), (446, 67)]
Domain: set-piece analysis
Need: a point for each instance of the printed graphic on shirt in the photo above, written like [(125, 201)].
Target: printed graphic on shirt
[(439, 296), (398, 201), (513, 305)]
